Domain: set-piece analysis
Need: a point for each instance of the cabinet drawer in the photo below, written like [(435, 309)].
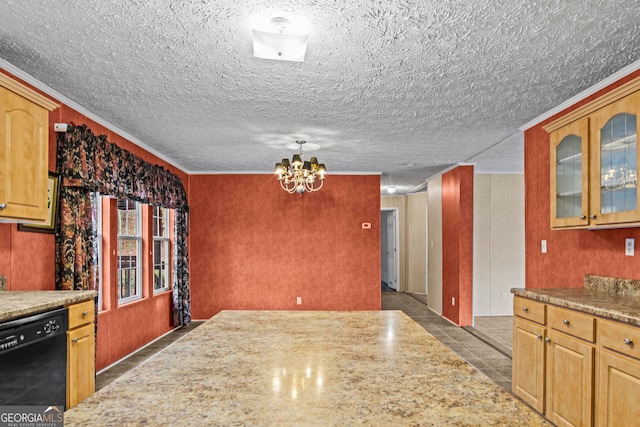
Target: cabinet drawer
[(619, 337), (529, 309), (81, 314), (573, 323)]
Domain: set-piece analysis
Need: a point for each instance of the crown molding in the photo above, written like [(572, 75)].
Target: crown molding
[(7, 66), (582, 95), (616, 94), (25, 92)]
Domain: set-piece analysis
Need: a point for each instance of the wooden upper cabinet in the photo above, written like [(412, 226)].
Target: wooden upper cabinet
[(24, 151), (615, 162), (570, 175), (594, 161)]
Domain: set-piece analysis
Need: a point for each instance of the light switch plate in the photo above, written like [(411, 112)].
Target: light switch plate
[(543, 246), (629, 247)]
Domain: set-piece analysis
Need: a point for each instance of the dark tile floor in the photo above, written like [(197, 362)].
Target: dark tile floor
[(119, 368), (488, 359), (498, 330), (494, 363)]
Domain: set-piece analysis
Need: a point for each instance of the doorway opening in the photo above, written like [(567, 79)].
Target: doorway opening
[(389, 241)]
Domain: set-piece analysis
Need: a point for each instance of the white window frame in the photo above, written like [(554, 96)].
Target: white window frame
[(99, 241), (139, 261), (164, 241)]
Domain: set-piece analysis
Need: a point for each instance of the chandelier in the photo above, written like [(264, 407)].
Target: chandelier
[(298, 175)]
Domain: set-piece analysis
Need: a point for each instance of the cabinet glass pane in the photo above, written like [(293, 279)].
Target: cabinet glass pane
[(569, 177), (618, 168)]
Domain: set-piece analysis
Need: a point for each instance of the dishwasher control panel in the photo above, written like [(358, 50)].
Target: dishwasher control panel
[(32, 329)]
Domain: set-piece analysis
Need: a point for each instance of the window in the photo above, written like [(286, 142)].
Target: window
[(160, 249), (129, 251)]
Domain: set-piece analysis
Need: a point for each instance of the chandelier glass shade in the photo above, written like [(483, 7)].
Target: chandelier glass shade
[(298, 176)]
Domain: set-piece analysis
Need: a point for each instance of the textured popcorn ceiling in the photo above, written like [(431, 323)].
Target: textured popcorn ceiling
[(402, 87)]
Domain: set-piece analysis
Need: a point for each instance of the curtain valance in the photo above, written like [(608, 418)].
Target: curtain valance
[(89, 164)]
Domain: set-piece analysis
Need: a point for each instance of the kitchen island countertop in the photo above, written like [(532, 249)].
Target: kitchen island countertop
[(304, 368)]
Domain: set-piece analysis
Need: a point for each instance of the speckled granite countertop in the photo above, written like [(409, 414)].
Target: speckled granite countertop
[(304, 368), (616, 299), (16, 304)]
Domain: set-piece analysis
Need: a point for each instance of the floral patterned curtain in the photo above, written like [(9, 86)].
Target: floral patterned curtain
[(89, 164)]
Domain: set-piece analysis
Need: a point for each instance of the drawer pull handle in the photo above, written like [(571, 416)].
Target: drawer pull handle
[(85, 313), (566, 322), (75, 340), (628, 341), (3, 206), (525, 309), (547, 340), (539, 336)]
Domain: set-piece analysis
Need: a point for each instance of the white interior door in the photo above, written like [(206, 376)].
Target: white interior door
[(384, 274), (390, 249)]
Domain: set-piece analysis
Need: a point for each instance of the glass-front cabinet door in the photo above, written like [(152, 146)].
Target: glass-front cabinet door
[(570, 174), (614, 152)]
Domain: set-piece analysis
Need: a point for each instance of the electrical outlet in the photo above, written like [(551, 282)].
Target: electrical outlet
[(299, 300), (453, 300), (504, 296), (629, 247), (543, 246)]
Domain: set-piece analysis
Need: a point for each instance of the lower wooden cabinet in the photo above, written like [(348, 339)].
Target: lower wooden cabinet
[(575, 368), (553, 362), (528, 362), (618, 374), (619, 388), (569, 380), (81, 352)]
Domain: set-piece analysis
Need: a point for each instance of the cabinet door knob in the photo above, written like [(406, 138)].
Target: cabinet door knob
[(3, 206), (547, 340), (628, 341), (539, 336), (583, 217), (593, 216), (85, 313), (566, 322), (525, 309), (75, 340)]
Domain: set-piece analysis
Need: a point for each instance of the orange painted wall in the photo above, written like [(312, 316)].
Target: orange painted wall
[(27, 259), (254, 246), (457, 245), (571, 253)]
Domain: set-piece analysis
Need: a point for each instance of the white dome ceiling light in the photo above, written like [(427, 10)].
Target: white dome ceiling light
[(280, 39)]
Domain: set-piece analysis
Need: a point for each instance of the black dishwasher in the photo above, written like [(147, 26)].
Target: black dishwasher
[(33, 360)]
